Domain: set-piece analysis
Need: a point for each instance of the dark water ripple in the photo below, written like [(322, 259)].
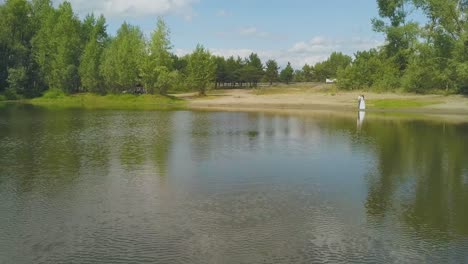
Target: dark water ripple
[(205, 187)]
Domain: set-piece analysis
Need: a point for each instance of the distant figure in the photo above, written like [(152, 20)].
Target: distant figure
[(361, 103)]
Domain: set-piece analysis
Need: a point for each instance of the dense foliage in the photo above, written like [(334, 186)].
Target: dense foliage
[(46, 48), (418, 57)]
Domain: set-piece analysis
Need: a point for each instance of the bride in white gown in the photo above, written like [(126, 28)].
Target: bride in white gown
[(361, 112), (361, 103)]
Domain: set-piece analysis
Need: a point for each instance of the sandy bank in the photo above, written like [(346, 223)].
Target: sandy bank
[(319, 99)]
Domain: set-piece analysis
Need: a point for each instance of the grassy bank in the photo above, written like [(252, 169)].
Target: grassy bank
[(121, 101), (401, 103)]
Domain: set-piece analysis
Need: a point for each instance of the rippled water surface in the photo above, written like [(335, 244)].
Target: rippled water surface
[(217, 187)]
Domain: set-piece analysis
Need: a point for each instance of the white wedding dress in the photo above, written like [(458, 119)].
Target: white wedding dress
[(362, 103)]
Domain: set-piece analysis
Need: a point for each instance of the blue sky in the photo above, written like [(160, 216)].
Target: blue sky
[(300, 31)]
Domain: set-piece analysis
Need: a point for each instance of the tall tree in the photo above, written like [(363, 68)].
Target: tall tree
[(201, 69), (299, 76), (221, 71), (57, 48), (233, 67), (271, 71), (159, 61), (253, 70), (329, 68), (122, 59), (287, 74), (91, 77), (401, 34), (44, 17), (17, 69), (308, 72), (370, 69)]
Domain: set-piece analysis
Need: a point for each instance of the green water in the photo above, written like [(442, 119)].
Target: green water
[(82, 186)]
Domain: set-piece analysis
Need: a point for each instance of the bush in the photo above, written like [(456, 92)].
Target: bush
[(2, 97), (10, 94), (53, 94), (17, 81)]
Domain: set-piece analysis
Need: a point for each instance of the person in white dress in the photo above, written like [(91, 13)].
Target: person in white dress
[(361, 112), (361, 103)]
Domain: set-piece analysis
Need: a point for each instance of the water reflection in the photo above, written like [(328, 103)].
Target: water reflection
[(420, 175), (360, 119), (211, 187)]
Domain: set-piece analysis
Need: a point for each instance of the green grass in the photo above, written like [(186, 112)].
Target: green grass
[(277, 90), (400, 103), (54, 99), (296, 88)]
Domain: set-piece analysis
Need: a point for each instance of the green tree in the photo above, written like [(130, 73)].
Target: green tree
[(370, 69), (57, 48), (42, 48), (180, 63), (329, 69), (287, 74), (91, 77), (299, 76), (17, 82), (167, 80), (221, 71), (401, 34), (460, 63), (159, 59), (67, 46), (308, 72), (17, 28), (233, 67), (253, 70), (122, 60), (271, 71), (201, 69)]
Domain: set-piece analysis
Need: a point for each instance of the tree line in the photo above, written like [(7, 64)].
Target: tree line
[(45, 48), (417, 56), (424, 56)]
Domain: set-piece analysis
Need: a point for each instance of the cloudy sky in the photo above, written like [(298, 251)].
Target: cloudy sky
[(299, 31)]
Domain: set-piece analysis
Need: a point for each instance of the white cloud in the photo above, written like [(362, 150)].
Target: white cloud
[(243, 53), (315, 50), (281, 56), (134, 8), (222, 13), (319, 48), (253, 32), (248, 31), (321, 44)]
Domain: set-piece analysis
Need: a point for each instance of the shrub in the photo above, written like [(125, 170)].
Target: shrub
[(11, 94), (53, 94)]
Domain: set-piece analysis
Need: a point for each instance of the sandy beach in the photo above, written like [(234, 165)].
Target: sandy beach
[(324, 98)]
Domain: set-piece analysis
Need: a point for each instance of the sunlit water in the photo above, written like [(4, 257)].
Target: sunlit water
[(217, 187)]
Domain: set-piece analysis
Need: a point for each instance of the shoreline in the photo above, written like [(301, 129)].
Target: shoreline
[(295, 99), (320, 100)]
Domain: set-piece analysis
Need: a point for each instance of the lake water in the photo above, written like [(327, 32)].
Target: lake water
[(82, 186)]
